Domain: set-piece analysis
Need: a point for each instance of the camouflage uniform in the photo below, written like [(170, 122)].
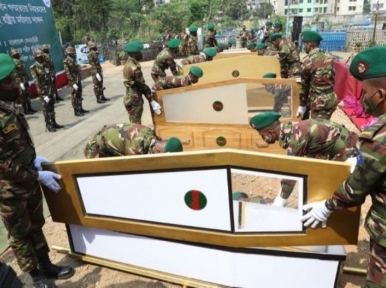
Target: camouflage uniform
[(369, 178), (289, 59), (96, 68), (22, 77), (266, 40), (318, 79), (170, 82), (319, 139), (21, 200), (51, 66), (135, 87), (163, 61), (73, 75), (194, 59), (192, 45), (210, 40), (184, 43), (121, 140), (244, 37), (281, 92)]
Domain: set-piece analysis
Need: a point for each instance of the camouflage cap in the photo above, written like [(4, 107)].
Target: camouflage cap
[(193, 28), (211, 52), (134, 47), (37, 53), (369, 63), (277, 25), (7, 65), (44, 47), (311, 36), (232, 41), (196, 71), (70, 50), (269, 75), (174, 43), (14, 51), (261, 46), (263, 120), (173, 145), (269, 23), (237, 195), (275, 36), (251, 45), (211, 26)]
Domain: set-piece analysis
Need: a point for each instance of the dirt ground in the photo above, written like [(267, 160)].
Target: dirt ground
[(91, 276)]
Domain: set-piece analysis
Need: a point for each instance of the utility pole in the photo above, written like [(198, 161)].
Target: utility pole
[(375, 23)]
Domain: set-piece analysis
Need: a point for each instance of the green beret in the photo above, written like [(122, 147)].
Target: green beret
[(211, 52), (7, 65), (263, 120), (311, 36), (196, 71), (369, 63), (251, 45), (277, 25), (134, 47), (261, 46), (173, 145), (231, 41), (210, 26), (193, 28), (275, 36), (174, 43), (269, 75), (222, 46), (268, 23), (238, 195)]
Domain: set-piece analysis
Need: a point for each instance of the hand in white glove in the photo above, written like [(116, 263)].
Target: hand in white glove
[(22, 86), (279, 202), (38, 162), (298, 80), (301, 111), (48, 179), (353, 162), (99, 78), (156, 107), (47, 99), (317, 214), (76, 87), (145, 46)]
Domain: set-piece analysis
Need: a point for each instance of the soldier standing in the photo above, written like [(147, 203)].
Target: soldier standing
[(206, 55), (317, 79), (135, 84), (74, 81), (368, 177), (165, 60), (192, 44), (210, 37), (170, 82), (281, 92), (42, 78), (312, 138), (244, 37), (125, 139), (49, 63), (96, 73), (267, 33), (23, 80), (21, 198)]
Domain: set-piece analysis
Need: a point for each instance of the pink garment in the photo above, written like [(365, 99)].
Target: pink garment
[(350, 102), (369, 123)]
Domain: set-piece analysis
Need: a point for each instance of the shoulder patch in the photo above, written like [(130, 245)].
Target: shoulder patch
[(9, 128)]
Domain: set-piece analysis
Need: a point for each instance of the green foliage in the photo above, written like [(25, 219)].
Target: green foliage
[(264, 10), (366, 7), (198, 11), (122, 55)]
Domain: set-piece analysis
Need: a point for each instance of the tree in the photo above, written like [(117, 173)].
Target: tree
[(173, 16), (264, 10), (366, 7)]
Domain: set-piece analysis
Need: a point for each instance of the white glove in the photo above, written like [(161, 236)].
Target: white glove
[(156, 107), (145, 46), (353, 162), (75, 87), (98, 77), (38, 162), (47, 178), (47, 99), (298, 80), (279, 202), (301, 111), (318, 214), (22, 86)]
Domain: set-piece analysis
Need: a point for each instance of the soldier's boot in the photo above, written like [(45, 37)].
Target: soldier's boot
[(100, 100), (49, 125), (82, 110), (25, 109), (98, 96), (102, 95), (78, 112), (56, 125), (40, 280), (29, 107), (52, 271)]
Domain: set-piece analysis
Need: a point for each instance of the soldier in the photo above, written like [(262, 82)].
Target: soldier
[(278, 28), (184, 42), (135, 84), (192, 44), (231, 43), (23, 80), (281, 92), (252, 47), (206, 55), (169, 82), (210, 37), (244, 37), (21, 198), (368, 176), (288, 56), (317, 79), (221, 47), (127, 139), (261, 49), (165, 60), (96, 73), (74, 81), (268, 32), (42, 78), (312, 138), (49, 63)]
